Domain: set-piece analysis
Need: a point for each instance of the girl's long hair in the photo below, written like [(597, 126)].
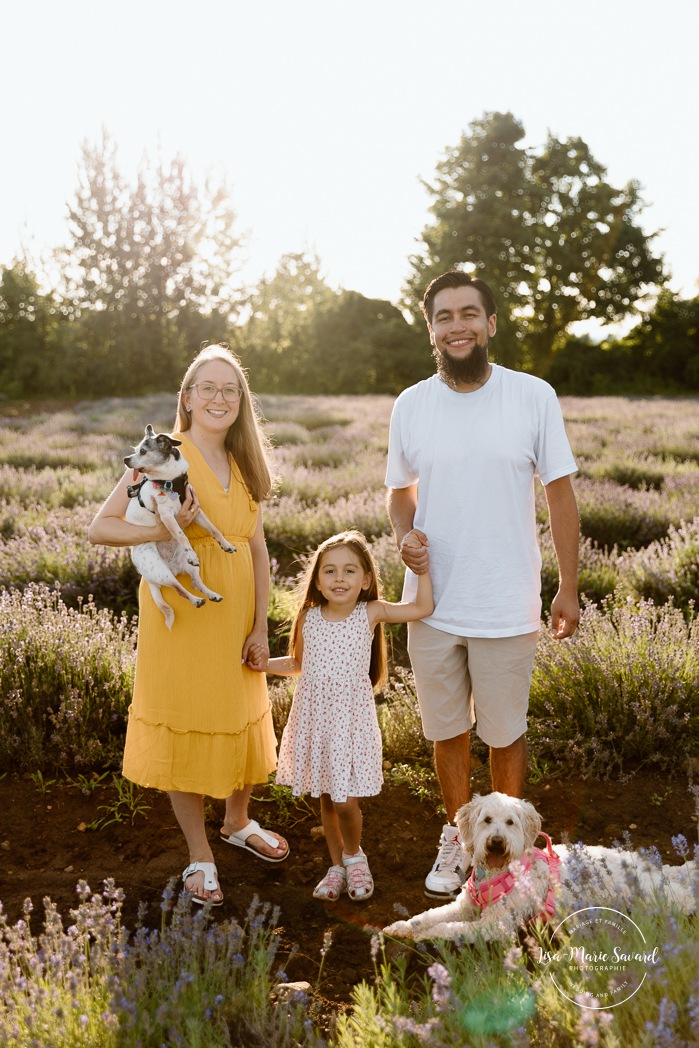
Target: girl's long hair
[(245, 439), (309, 596)]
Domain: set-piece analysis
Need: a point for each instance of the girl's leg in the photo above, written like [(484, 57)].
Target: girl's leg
[(349, 817), (360, 883), (331, 827), (237, 818), (189, 812), (334, 883)]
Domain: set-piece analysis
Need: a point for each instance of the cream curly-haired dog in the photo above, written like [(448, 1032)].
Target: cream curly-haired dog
[(513, 882)]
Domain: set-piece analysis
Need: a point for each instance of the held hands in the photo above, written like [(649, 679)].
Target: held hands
[(256, 651), (414, 552)]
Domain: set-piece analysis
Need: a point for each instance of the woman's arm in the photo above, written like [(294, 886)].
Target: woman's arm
[(109, 528), (256, 647)]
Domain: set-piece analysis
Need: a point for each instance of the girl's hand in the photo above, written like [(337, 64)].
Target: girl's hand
[(256, 651)]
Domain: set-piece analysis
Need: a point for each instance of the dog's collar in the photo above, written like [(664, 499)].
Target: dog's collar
[(484, 893), (178, 485)]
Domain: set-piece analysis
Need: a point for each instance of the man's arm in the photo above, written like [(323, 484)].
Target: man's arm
[(401, 504), (565, 532)]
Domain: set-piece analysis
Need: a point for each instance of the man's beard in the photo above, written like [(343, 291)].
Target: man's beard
[(471, 369)]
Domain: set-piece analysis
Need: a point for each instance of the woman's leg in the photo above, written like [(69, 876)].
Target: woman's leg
[(237, 818), (189, 812)]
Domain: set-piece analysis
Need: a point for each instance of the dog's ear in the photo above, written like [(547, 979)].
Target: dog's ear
[(466, 820), (175, 443), (531, 823), (150, 432)]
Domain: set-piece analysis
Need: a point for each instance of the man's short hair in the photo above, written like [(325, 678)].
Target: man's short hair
[(457, 278)]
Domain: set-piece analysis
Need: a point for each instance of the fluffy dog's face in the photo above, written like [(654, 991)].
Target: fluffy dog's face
[(156, 454), (497, 829)]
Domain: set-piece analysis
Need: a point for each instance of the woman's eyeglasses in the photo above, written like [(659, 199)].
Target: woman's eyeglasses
[(207, 391)]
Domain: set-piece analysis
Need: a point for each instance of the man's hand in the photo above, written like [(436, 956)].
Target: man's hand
[(414, 552), (565, 615)]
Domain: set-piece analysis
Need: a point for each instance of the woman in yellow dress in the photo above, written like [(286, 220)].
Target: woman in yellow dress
[(200, 722)]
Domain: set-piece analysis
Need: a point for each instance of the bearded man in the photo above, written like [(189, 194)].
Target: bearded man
[(466, 447)]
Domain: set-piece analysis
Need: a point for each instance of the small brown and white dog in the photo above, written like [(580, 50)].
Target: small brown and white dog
[(513, 882), (164, 485)]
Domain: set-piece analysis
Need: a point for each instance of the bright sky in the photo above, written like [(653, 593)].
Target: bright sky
[(325, 115)]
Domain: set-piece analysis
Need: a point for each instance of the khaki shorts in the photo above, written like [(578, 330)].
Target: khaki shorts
[(462, 681)]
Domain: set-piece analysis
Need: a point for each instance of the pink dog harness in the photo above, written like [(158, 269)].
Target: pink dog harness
[(485, 893)]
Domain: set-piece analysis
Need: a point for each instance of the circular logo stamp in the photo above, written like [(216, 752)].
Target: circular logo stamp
[(598, 958)]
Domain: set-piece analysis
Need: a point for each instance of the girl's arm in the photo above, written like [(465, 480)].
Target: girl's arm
[(256, 647), (290, 665), (110, 529), (408, 611)]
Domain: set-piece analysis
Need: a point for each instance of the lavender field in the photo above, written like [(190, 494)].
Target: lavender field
[(622, 695)]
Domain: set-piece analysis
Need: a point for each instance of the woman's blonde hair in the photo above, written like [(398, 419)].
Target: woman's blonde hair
[(245, 439), (311, 597)]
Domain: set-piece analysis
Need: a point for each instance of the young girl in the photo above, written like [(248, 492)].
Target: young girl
[(331, 746)]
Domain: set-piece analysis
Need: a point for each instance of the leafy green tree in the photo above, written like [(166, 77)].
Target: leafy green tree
[(30, 337), (365, 345), (150, 269), (664, 346), (277, 343), (557, 242)]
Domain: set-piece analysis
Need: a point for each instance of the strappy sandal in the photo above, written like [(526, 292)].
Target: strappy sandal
[(210, 882), (332, 886), (360, 883)]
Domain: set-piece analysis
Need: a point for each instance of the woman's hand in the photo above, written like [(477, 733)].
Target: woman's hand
[(256, 651), (184, 516)]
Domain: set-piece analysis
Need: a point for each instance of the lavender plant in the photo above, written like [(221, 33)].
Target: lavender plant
[(622, 692), (667, 569), (190, 983), (65, 682)]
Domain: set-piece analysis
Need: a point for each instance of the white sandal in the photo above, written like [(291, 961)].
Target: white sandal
[(240, 839), (210, 882), (332, 886), (360, 883)]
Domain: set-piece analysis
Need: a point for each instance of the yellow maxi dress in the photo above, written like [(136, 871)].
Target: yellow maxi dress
[(200, 721)]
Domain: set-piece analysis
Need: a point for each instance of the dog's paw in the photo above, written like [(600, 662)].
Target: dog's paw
[(229, 549), (192, 559), (400, 928), (216, 598), (199, 602)]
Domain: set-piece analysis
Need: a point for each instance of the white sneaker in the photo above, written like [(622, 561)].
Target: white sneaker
[(446, 877)]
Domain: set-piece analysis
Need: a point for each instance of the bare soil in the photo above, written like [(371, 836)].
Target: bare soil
[(46, 848)]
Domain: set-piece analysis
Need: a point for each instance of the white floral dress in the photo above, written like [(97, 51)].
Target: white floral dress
[(332, 743)]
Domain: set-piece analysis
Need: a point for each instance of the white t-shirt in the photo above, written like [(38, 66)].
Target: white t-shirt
[(474, 457)]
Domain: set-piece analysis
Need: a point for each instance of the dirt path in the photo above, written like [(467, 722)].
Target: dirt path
[(46, 850)]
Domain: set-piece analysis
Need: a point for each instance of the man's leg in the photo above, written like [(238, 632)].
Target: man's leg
[(443, 687), (508, 767), (452, 761)]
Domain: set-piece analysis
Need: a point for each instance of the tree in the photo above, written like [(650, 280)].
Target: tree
[(30, 337), (277, 343), (365, 345), (664, 346), (558, 243), (149, 267)]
